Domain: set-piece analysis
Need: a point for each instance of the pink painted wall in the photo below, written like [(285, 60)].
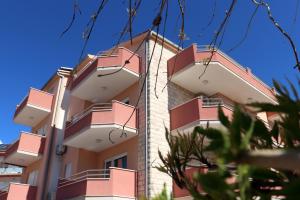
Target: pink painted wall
[(32, 143), (119, 114), (131, 92), (40, 98), (36, 98), (181, 60), (121, 183), (21, 192), (130, 147), (28, 142), (122, 114), (178, 192), (84, 160), (119, 59), (184, 114), (45, 122), (134, 63), (72, 156), (36, 166), (76, 106), (192, 111)]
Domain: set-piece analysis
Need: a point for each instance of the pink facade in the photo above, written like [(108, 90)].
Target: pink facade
[(28, 142), (192, 55), (115, 113), (20, 192), (78, 118), (117, 59), (197, 110), (36, 98), (178, 192), (107, 183)]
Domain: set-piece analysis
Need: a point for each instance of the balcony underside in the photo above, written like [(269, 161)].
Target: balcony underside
[(31, 115), (188, 128), (218, 79), (99, 137), (103, 88), (101, 198), (21, 158)]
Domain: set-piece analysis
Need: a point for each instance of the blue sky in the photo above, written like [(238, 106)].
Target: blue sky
[(31, 49)]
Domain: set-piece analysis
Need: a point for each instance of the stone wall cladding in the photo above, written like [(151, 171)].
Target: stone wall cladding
[(141, 124), (159, 117)]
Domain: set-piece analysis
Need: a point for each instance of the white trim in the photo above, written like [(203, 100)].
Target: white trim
[(34, 134), (15, 183), (123, 169), (101, 69), (28, 153), (196, 123), (116, 68), (247, 82), (114, 125), (38, 107), (231, 72)]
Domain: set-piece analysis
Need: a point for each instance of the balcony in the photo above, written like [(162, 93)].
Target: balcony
[(26, 150), (198, 112), (181, 193), (106, 76), (34, 108), (222, 75), (18, 191), (3, 148), (113, 182), (101, 126)]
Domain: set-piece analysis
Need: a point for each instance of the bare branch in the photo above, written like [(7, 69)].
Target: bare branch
[(90, 26), (76, 9), (285, 34), (247, 30), (162, 47), (212, 17)]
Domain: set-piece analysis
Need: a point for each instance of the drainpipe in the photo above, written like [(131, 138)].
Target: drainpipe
[(51, 138), (146, 118)]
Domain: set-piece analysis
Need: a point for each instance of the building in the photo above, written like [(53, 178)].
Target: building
[(97, 128), (8, 173)]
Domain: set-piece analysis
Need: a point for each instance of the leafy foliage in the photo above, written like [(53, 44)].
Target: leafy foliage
[(230, 153), (163, 195)]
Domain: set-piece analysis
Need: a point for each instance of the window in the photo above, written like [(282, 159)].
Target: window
[(68, 170), (32, 178), (119, 161)]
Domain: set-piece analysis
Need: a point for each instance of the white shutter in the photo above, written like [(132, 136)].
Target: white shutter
[(68, 170)]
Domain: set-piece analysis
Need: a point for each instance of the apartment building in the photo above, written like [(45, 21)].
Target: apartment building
[(8, 173), (96, 129)]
